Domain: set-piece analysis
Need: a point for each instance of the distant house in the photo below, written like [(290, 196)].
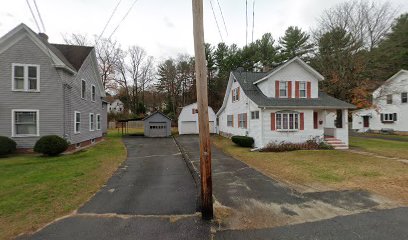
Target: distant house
[(49, 89), (390, 107), (157, 124), (283, 105), (188, 120), (116, 106)]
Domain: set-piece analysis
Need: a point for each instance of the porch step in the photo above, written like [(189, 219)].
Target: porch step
[(335, 143)]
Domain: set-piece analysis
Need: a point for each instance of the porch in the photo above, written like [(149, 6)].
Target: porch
[(335, 127)]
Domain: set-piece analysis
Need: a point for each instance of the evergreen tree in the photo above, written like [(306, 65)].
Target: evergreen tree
[(295, 43)]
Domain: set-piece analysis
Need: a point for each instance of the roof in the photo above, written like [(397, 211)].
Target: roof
[(72, 55), (402, 71), (157, 112), (247, 80)]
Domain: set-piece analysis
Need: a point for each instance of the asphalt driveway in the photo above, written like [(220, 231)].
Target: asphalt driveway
[(151, 196)]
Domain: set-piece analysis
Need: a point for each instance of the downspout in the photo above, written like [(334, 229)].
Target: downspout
[(262, 126)]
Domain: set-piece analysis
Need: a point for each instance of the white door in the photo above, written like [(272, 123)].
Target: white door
[(189, 127), (158, 129)]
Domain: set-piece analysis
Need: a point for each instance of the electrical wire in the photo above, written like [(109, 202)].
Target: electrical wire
[(216, 21), (246, 22), (222, 16), (253, 19), (32, 13), (39, 15), (124, 17), (110, 18)]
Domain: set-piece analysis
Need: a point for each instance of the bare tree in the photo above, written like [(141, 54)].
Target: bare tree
[(77, 39), (108, 54)]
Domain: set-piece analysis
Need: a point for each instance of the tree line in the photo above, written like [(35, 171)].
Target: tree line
[(356, 45)]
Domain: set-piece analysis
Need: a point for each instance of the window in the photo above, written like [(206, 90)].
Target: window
[(26, 77), (93, 93), (283, 89), (235, 94), (404, 97), (83, 89), (287, 121), (389, 99), (242, 120), (230, 120), (302, 89), (255, 115), (98, 122), (77, 122), (25, 123), (388, 117), (91, 122)]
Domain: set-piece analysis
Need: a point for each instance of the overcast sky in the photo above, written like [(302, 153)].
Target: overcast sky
[(164, 27)]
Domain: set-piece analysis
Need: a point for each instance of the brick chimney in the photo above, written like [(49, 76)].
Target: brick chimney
[(43, 36)]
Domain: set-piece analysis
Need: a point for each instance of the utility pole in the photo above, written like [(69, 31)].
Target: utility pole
[(202, 106)]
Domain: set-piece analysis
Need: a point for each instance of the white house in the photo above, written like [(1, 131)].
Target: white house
[(283, 105), (390, 107), (188, 120), (116, 106)]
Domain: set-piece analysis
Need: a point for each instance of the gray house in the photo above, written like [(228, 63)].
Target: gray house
[(157, 124), (49, 89)]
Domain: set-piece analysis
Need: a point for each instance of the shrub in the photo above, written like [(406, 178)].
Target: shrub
[(312, 144), (325, 146), (51, 145), (243, 141), (7, 146)]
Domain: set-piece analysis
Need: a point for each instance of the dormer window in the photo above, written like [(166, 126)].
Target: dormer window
[(26, 77), (283, 89), (235, 94)]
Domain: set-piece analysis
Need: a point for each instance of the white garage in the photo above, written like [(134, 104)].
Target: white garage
[(188, 120)]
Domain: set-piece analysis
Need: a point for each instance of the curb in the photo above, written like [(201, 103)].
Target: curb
[(194, 173)]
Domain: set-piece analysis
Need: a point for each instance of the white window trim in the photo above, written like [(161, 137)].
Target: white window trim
[(235, 97), (288, 129), (390, 117), (300, 89), (254, 112), (287, 89), (90, 125), (13, 129), (75, 122), (98, 122), (92, 95), (82, 90), (232, 121), (25, 77)]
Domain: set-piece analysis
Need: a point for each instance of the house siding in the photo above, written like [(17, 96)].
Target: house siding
[(48, 101)]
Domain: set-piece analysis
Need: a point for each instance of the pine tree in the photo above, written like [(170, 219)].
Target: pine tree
[(295, 43)]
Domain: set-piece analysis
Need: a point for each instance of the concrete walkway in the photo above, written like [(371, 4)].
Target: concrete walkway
[(151, 196)]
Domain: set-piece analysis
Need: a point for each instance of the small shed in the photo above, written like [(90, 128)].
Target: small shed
[(188, 120), (157, 124)]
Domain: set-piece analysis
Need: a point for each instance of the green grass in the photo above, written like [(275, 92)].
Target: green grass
[(383, 147), (329, 168), (35, 190), (386, 136)]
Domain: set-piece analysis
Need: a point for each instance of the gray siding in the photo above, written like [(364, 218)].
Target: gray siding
[(74, 102), (48, 101), (157, 117)]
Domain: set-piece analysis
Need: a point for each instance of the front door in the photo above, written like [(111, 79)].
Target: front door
[(366, 121)]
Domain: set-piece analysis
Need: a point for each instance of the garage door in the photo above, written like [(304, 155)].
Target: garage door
[(189, 127), (158, 129)]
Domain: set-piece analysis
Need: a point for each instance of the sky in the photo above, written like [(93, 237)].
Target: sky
[(164, 27)]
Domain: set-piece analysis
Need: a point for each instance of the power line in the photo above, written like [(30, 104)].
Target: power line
[(39, 15), (32, 13), (124, 17), (110, 18), (216, 21), (222, 15), (253, 19), (246, 22)]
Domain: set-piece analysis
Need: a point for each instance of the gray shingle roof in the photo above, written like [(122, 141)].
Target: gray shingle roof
[(246, 80)]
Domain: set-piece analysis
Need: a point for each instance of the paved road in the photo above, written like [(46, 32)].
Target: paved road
[(152, 196), (247, 199)]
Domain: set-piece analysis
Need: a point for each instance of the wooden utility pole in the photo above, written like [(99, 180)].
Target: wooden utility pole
[(202, 106)]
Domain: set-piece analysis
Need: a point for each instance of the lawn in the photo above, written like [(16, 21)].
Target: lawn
[(327, 169), (388, 148), (35, 190)]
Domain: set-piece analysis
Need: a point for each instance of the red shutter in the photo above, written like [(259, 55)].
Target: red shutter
[(246, 120), (238, 93), (309, 89), (232, 95), (232, 120), (302, 121), (315, 120), (297, 89), (276, 89), (290, 89), (273, 125)]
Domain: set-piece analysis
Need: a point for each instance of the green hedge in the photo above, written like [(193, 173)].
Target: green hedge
[(243, 141), (7, 146), (51, 145)]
